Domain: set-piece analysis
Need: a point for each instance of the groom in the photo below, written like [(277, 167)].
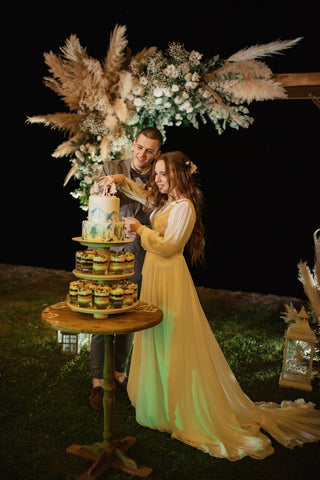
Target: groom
[(146, 149)]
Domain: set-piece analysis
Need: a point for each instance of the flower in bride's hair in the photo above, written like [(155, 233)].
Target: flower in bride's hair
[(192, 168)]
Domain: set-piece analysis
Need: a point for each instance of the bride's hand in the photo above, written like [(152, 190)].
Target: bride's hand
[(130, 225)]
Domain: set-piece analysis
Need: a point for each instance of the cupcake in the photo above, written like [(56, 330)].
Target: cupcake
[(101, 296), (99, 263), (79, 259), (73, 291), (129, 262), (116, 297), (134, 286), (117, 261), (86, 263), (128, 295), (85, 296)]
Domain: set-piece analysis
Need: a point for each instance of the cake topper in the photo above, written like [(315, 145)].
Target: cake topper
[(107, 189), (103, 187)]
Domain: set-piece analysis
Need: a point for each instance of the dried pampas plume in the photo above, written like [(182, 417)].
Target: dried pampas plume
[(116, 54), (65, 122), (310, 281), (259, 51), (256, 89), (316, 238), (290, 314), (254, 80)]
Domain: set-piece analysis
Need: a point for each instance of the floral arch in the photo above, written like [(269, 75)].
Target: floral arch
[(110, 101)]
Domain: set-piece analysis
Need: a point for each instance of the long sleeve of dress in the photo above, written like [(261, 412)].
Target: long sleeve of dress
[(170, 232)]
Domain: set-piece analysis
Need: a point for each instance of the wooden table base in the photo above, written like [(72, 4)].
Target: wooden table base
[(108, 455)]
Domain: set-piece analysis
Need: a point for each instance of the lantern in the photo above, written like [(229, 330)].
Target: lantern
[(298, 354), (72, 342)]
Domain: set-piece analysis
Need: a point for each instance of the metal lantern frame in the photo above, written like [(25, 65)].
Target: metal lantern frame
[(298, 354), (72, 342)]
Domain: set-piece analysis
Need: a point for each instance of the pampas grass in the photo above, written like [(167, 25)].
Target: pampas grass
[(103, 96), (256, 89), (310, 280), (316, 238), (115, 56), (259, 51), (65, 122), (87, 85), (255, 77), (310, 287)]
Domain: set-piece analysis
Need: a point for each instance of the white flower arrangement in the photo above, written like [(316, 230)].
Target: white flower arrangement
[(111, 101)]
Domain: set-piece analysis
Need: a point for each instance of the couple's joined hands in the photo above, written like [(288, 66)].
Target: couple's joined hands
[(131, 226)]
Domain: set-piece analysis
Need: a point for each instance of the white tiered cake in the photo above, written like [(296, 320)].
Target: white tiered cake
[(103, 223)]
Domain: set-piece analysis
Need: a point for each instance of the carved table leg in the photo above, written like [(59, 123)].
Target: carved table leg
[(109, 453)]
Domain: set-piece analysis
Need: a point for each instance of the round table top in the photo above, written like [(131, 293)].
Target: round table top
[(60, 317)]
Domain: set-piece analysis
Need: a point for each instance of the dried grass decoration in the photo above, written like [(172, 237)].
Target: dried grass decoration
[(110, 101)]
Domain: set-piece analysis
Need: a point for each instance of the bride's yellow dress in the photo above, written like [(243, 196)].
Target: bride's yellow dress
[(179, 380)]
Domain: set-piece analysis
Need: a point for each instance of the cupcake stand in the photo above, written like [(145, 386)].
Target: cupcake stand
[(109, 453)]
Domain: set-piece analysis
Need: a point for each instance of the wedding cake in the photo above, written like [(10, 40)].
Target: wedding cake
[(103, 223)]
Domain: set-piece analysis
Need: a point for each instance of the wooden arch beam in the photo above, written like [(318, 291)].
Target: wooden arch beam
[(301, 86)]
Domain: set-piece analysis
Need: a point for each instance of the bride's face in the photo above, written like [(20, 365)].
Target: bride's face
[(161, 178)]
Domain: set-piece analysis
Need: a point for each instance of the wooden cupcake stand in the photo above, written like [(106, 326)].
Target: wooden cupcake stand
[(109, 453)]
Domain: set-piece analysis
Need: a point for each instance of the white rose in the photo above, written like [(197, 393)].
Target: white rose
[(138, 102), (157, 92)]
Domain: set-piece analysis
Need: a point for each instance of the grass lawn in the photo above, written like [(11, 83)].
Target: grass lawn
[(43, 396)]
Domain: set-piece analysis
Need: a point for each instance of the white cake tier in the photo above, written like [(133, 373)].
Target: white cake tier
[(103, 231), (103, 209)]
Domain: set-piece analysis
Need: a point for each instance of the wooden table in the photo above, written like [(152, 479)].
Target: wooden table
[(110, 452)]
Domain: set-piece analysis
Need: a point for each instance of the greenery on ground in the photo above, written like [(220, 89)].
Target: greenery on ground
[(43, 396)]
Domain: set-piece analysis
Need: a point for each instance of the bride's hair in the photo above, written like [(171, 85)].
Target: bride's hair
[(179, 170)]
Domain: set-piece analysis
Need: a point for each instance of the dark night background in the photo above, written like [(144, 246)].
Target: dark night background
[(261, 185)]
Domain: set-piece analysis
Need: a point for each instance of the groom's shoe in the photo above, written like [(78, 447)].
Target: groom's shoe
[(121, 385), (96, 399)]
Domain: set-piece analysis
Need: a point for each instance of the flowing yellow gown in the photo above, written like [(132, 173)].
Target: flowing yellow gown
[(179, 380)]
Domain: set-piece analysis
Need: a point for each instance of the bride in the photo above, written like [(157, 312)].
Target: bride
[(179, 380)]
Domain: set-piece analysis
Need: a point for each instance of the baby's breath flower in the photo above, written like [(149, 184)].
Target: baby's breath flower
[(195, 57)]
